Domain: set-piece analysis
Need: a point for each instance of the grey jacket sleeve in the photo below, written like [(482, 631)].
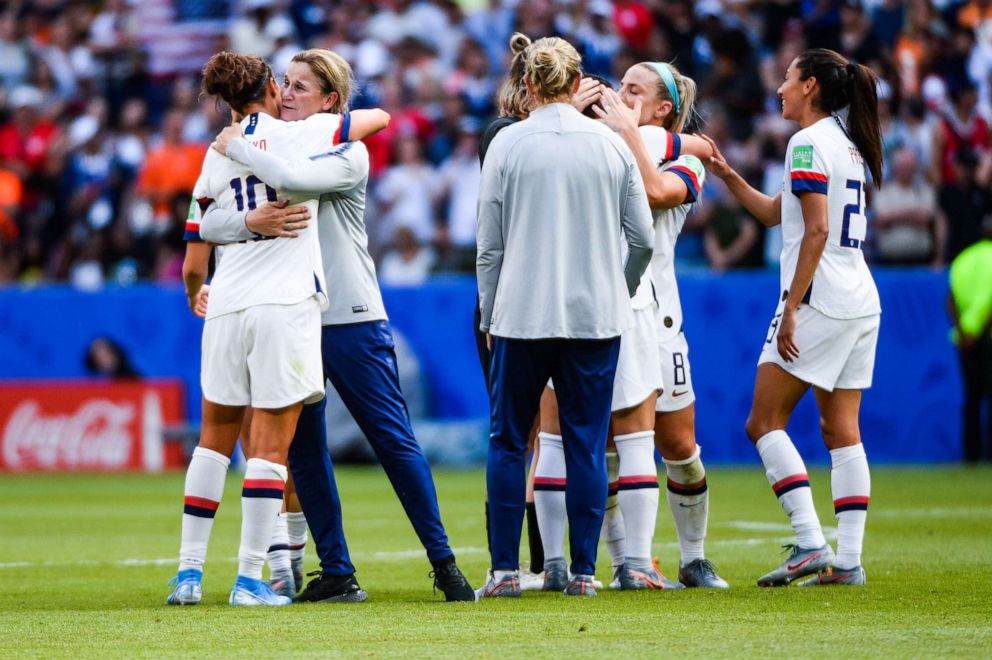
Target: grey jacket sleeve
[(489, 237), (341, 168), (223, 226), (638, 229)]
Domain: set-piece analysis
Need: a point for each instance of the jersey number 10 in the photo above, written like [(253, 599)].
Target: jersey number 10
[(270, 193), (852, 232)]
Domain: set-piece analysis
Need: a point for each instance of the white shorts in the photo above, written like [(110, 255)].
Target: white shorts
[(676, 374), (638, 374), (266, 356), (833, 353)]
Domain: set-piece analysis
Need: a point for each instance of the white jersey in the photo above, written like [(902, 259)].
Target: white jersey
[(667, 226), (265, 270), (822, 159)]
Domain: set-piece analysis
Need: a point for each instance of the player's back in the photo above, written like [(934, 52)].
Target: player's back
[(265, 270), (822, 159)]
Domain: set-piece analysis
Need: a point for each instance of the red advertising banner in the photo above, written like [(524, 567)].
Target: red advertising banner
[(88, 425)]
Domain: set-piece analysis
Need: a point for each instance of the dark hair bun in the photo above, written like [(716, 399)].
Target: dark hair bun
[(519, 42)]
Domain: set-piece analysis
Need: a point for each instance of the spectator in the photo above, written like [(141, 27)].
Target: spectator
[(171, 167), (407, 262), (406, 193), (908, 227), (960, 127), (458, 186), (14, 54), (731, 237), (963, 202), (105, 358)]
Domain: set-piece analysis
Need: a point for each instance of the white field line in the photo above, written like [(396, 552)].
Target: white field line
[(396, 556)]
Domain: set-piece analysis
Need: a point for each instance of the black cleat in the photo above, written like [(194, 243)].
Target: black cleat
[(332, 589), (449, 579)]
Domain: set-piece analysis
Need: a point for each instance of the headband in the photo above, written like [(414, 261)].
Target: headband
[(665, 73)]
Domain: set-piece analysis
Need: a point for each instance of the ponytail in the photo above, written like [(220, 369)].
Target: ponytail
[(845, 84), (862, 117)]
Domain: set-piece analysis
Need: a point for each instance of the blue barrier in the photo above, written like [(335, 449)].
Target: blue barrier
[(910, 415)]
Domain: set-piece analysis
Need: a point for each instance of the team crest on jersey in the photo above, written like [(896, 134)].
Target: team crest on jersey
[(802, 157)]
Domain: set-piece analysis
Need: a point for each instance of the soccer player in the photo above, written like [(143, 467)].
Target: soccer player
[(357, 344), (654, 96), (824, 332), (558, 190), (261, 341)]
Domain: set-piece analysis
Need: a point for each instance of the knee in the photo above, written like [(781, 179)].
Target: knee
[(756, 427), (839, 434), (677, 448)]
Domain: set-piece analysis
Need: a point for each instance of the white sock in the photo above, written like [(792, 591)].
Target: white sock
[(203, 491), (297, 526), (278, 553), (786, 473), (850, 483), (613, 531), (689, 500), (637, 493), (549, 495), (261, 500)]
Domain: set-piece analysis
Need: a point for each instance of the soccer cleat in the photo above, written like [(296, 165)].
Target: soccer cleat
[(701, 573), (581, 585), (187, 589), (283, 584), (555, 574), (639, 577), (508, 587), (801, 562), (250, 592), (531, 581), (451, 581), (851, 577), (326, 588)]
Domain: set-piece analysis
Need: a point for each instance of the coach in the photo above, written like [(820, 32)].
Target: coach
[(558, 190)]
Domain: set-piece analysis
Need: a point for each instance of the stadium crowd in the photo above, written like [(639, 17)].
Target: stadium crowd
[(102, 131)]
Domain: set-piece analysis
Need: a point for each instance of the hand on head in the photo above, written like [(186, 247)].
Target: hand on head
[(589, 92), (613, 112)]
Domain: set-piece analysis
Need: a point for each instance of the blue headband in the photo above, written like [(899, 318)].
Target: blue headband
[(665, 73)]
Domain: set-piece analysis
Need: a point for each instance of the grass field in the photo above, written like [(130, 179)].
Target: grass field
[(84, 562)]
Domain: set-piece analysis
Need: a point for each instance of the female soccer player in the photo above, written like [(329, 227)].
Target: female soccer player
[(655, 102), (557, 189), (204, 481), (826, 326), (260, 341), (357, 344)]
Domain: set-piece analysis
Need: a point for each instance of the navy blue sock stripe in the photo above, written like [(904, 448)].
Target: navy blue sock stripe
[(679, 489), (637, 485), (278, 547), (199, 511), (273, 493), (553, 487), (782, 490), (852, 506)]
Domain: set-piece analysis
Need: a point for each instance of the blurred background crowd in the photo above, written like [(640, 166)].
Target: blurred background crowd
[(102, 131)]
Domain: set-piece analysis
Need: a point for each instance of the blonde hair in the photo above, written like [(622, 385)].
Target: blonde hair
[(333, 74), (686, 88), (512, 96), (553, 65)]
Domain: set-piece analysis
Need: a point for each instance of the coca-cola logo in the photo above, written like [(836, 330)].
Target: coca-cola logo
[(98, 434)]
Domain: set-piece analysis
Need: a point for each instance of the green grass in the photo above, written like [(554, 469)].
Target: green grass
[(70, 589)]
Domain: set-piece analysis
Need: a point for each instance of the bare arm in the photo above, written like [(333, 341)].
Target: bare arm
[(816, 228), (367, 122), (767, 210), (664, 190), (196, 265)]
